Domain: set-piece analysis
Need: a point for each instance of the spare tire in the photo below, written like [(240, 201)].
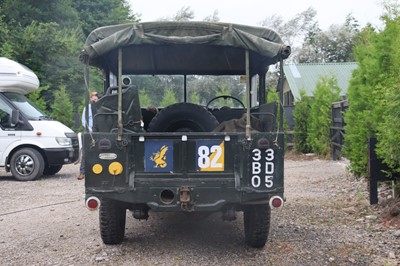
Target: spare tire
[(183, 117)]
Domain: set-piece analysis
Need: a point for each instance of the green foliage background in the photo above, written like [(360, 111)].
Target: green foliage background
[(327, 92), (169, 98), (301, 116), (47, 37), (374, 96), (313, 117), (62, 107)]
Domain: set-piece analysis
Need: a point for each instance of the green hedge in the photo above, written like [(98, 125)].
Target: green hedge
[(373, 95), (301, 115)]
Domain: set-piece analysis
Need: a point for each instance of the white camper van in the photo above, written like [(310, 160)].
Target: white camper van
[(31, 144)]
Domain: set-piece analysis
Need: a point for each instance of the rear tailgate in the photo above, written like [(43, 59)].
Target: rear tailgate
[(164, 169)]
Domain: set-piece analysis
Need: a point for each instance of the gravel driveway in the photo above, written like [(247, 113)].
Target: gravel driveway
[(326, 220)]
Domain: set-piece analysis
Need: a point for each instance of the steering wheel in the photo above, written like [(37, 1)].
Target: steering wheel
[(226, 97)]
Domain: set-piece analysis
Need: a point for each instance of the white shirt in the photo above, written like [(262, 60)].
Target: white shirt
[(90, 126)]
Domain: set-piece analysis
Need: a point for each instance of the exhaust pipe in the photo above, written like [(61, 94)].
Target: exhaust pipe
[(167, 196)]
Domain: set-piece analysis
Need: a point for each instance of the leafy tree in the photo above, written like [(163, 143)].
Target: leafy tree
[(334, 45), (209, 87), (183, 14), (169, 98), (6, 48), (21, 13), (47, 37), (301, 115), (155, 86), (212, 18), (273, 96), (373, 95), (50, 51), (222, 91), (194, 98), (36, 98), (388, 146), (309, 43), (186, 13), (151, 85), (62, 107), (295, 30), (327, 92), (93, 14), (364, 94), (144, 98)]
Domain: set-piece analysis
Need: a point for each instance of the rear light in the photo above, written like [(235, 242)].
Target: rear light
[(263, 143), (276, 202), (92, 203), (115, 168)]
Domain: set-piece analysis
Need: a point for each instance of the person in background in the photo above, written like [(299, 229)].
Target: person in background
[(93, 98)]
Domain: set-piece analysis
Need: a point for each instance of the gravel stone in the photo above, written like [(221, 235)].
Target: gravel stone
[(326, 220)]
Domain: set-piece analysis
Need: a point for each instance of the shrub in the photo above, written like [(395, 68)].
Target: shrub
[(62, 107), (373, 97), (326, 93), (301, 115)]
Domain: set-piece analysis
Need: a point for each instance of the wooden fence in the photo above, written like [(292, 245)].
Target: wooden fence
[(377, 170), (337, 128)]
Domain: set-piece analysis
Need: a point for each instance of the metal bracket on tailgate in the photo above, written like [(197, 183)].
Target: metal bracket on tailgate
[(184, 199)]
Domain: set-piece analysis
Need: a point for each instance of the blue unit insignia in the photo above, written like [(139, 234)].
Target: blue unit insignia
[(158, 156)]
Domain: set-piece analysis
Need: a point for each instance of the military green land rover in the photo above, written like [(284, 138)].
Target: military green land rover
[(184, 124)]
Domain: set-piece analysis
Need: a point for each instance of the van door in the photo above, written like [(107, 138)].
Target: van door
[(8, 134)]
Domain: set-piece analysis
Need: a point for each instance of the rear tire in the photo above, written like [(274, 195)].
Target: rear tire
[(27, 164), (112, 218), (183, 117), (256, 224)]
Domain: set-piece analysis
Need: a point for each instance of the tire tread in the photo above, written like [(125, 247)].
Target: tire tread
[(257, 222), (112, 218)]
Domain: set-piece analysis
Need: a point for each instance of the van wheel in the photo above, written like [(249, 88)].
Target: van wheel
[(112, 218), (183, 117), (256, 224), (27, 164), (52, 169)]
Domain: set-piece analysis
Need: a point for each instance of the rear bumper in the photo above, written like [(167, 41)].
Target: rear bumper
[(184, 198)]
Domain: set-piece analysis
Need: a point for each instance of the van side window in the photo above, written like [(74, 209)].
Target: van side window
[(5, 115)]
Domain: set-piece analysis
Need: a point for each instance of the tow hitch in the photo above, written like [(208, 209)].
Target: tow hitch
[(184, 199)]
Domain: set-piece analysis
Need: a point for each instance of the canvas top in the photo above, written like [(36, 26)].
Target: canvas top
[(182, 47)]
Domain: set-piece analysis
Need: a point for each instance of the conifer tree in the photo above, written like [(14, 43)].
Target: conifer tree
[(326, 93), (169, 98), (301, 116), (373, 95), (62, 107)]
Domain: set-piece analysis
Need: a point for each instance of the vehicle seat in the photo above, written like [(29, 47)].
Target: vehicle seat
[(105, 110), (266, 113)]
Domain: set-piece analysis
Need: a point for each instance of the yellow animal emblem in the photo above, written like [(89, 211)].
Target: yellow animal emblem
[(160, 157)]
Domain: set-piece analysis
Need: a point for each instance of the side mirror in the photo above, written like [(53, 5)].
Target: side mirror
[(15, 117)]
